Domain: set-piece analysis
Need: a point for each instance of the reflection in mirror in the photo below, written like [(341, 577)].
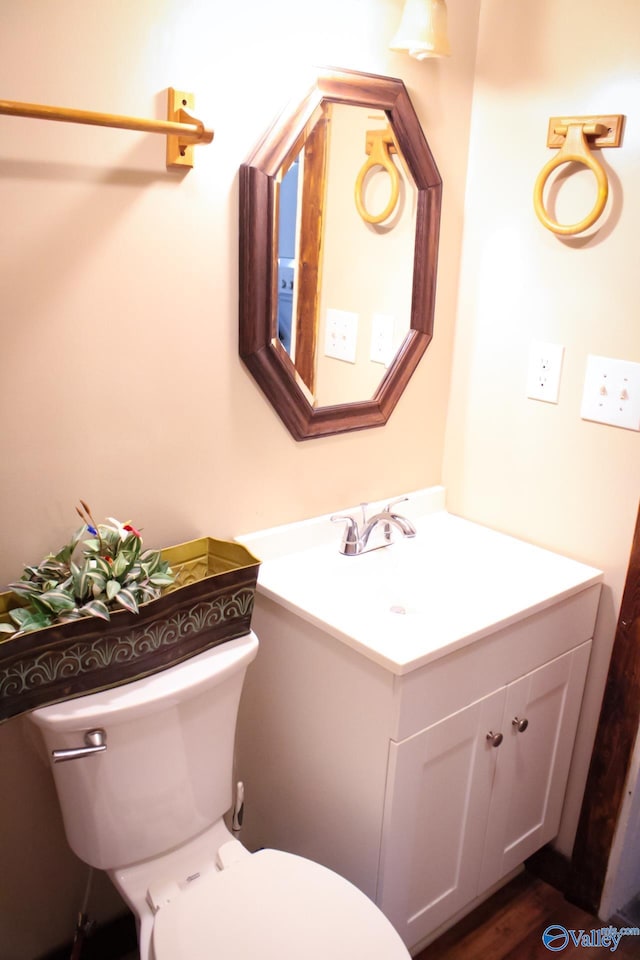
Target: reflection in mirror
[(340, 214), (347, 336)]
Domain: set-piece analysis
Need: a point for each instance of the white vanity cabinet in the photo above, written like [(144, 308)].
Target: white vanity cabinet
[(471, 796), (422, 755)]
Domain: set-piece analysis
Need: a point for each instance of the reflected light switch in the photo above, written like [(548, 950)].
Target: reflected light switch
[(341, 337)]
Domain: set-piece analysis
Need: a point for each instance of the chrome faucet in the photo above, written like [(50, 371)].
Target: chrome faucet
[(355, 542)]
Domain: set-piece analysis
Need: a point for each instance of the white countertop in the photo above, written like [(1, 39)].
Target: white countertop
[(419, 598)]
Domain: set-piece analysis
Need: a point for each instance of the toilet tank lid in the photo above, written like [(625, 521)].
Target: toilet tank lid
[(150, 694), (273, 905)]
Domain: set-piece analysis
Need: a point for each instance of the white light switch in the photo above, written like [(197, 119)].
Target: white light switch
[(341, 336), (543, 376), (612, 392)]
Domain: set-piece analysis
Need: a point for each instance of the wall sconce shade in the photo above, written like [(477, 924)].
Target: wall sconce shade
[(423, 30)]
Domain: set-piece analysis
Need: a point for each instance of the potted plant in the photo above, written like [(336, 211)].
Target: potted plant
[(103, 611), (113, 573)]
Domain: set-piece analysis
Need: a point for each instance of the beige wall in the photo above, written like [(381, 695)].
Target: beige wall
[(119, 375), (530, 468)]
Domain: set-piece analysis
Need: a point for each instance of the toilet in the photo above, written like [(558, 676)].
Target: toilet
[(144, 776)]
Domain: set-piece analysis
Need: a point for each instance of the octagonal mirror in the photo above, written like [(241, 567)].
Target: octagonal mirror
[(339, 225)]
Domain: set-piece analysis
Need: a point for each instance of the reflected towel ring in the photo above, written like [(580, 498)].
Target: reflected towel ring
[(380, 145)]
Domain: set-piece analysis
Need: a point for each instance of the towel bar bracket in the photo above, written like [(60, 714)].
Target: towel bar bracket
[(181, 129), (606, 131), (179, 146)]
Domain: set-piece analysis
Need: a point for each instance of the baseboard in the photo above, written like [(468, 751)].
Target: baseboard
[(109, 941)]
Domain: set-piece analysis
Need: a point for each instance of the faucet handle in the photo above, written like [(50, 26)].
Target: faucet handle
[(351, 530), (406, 526), (351, 537), (393, 503)]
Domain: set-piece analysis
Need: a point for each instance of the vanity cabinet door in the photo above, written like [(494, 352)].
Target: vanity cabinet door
[(533, 763), (436, 806), (471, 797)]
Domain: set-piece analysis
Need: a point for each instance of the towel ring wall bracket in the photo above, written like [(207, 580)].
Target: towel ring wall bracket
[(569, 134), (608, 134)]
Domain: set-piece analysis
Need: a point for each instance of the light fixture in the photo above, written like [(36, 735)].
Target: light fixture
[(423, 30)]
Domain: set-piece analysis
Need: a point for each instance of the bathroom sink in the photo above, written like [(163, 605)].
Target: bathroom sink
[(418, 598)]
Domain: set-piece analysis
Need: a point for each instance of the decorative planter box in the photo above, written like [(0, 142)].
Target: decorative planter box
[(210, 602)]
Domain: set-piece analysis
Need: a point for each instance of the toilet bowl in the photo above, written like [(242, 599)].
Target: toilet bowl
[(144, 798), (274, 906)]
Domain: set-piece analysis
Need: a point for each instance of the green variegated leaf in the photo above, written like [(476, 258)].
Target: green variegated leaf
[(112, 587), (151, 560), (28, 620), (27, 590), (19, 615), (57, 600), (96, 608), (127, 600), (120, 565), (161, 580), (98, 584), (147, 592), (71, 615), (82, 582), (99, 565), (7, 628)]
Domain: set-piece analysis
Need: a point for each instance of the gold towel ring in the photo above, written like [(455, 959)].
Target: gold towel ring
[(574, 149), (379, 147)]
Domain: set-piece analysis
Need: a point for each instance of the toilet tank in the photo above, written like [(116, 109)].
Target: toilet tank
[(166, 774)]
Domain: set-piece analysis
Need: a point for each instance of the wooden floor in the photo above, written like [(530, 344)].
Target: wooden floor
[(510, 925)]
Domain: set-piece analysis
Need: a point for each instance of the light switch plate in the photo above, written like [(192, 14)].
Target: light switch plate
[(341, 338), (612, 392), (543, 375)]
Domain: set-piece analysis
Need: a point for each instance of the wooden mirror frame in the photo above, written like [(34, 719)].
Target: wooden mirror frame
[(265, 357)]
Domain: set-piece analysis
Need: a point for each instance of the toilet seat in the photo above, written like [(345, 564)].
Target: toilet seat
[(275, 906)]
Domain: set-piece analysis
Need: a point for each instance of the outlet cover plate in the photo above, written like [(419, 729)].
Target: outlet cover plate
[(612, 392), (543, 375), (382, 338)]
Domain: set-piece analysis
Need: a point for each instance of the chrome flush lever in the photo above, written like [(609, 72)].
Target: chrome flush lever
[(95, 742)]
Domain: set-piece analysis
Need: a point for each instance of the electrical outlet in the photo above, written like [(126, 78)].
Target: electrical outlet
[(382, 332), (612, 392), (543, 375), (341, 337)]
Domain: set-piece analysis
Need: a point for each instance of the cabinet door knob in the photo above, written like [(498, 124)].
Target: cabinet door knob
[(494, 738), (520, 724)]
